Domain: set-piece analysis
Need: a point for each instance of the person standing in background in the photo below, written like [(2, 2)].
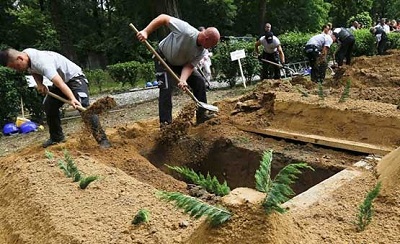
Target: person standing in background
[(316, 50), (272, 51), (346, 41)]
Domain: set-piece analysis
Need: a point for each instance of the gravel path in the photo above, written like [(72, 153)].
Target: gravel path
[(140, 95)]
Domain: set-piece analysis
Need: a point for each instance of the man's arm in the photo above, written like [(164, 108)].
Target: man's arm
[(39, 83), (258, 43), (58, 82), (187, 70), (156, 23), (281, 54)]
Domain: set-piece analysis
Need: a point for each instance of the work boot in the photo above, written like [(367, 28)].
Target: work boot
[(104, 144), (203, 117), (51, 142)]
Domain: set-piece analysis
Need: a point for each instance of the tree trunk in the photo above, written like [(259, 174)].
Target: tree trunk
[(62, 29), (169, 7), (262, 7)]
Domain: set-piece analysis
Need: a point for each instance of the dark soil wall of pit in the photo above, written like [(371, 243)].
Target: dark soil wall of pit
[(227, 161)]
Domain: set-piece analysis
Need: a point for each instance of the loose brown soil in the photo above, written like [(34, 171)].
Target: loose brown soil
[(38, 204)]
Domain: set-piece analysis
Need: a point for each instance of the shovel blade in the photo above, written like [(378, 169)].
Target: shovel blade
[(208, 106)]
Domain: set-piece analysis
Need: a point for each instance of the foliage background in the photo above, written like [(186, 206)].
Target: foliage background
[(95, 35)]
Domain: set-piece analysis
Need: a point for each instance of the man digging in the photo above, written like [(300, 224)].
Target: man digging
[(182, 49), (69, 83)]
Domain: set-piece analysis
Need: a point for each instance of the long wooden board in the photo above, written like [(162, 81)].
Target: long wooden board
[(321, 140)]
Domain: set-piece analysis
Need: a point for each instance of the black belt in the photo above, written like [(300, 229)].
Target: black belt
[(311, 48)]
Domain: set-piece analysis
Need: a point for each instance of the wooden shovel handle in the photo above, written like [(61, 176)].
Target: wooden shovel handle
[(80, 108)]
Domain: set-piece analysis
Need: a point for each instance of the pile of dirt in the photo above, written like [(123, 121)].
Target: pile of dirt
[(38, 204)]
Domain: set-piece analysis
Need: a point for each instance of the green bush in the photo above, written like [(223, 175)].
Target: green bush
[(14, 87), (293, 46), (98, 77), (362, 18), (227, 70), (365, 43), (132, 72), (394, 40)]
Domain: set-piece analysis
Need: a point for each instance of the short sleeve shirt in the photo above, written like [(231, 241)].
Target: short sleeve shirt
[(321, 40), (49, 64), (180, 46), (270, 47)]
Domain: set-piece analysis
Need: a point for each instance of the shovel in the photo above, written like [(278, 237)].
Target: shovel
[(80, 108), (98, 107), (172, 73), (293, 73)]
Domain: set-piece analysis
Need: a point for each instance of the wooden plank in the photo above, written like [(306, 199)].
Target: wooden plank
[(321, 140)]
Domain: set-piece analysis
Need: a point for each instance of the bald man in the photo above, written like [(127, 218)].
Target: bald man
[(182, 50)]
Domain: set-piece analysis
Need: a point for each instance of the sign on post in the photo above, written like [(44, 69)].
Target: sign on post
[(237, 55)]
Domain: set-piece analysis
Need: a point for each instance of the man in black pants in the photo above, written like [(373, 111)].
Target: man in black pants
[(316, 50), (272, 51), (68, 81), (346, 41), (182, 50), (381, 39)]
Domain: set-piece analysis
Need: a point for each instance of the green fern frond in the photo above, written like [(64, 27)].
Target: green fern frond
[(263, 180), (211, 184), (366, 210), (142, 216), (76, 177), (280, 190), (321, 93), (196, 208), (63, 166), (346, 92), (83, 183), (48, 154), (70, 164)]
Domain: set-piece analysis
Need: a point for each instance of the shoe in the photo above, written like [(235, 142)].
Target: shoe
[(164, 125), (51, 142), (204, 117), (104, 144)]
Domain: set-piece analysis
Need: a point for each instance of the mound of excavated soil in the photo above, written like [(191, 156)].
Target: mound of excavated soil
[(39, 204)]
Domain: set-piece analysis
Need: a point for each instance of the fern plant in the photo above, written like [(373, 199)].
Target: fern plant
[(211, 184), (84, 182), (366, 211), (48, 154), (278, 190), (196, 208), (142, 216), (321, 93), (69, 168), (346, 92)]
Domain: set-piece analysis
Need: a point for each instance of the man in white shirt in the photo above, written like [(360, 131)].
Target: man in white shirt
[(272, 51), (316, 50), (68, 81)]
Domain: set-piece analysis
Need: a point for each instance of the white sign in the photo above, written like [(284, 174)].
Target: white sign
[(238, 54)]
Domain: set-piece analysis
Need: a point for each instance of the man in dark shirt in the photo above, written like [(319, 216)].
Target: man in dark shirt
[(381, 39)]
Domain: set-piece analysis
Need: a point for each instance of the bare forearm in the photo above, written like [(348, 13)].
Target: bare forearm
[(156, 23), (186, 72)]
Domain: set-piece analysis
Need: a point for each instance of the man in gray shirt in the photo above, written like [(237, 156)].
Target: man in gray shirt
[(182, 49), (68, 82)]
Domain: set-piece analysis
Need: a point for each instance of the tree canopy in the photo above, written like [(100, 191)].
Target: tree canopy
[(95, 33)]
